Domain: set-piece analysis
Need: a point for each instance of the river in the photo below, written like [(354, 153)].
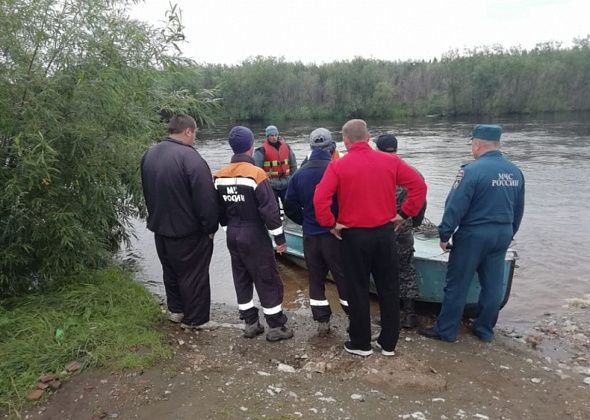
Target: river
[(553, 243)]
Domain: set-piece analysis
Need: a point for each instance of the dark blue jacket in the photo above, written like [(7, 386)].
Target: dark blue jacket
[(488, 190), (299, 198)]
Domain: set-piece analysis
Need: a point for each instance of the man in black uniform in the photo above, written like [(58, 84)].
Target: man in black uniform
[(182, 212), (248, 208)]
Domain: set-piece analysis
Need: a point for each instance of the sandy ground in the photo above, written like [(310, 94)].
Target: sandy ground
[(220, 374)]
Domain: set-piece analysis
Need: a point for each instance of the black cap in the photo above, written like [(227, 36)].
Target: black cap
[(387, 143)]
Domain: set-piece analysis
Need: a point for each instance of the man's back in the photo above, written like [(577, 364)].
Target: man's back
[(366, 182), (490, 190), (178, 190)]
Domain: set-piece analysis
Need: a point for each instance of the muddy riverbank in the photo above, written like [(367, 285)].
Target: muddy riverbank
[(219, 374)]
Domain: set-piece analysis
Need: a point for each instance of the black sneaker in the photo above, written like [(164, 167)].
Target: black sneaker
[(384, 352), (359, 352)]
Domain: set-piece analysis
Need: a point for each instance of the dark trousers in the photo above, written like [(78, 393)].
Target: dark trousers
[(322, 254), (253, 265), (185, 264), (365, 252), (479, 249)]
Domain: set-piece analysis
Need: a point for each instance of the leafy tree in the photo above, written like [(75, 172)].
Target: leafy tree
[(80, 100)]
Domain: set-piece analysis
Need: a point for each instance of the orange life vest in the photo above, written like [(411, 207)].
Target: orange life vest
[(276, 162)]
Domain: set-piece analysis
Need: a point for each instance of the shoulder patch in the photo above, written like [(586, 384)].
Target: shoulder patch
[(459, 177)]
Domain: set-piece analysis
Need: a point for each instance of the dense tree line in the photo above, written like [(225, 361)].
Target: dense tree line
[(84, 90), (480, 81)]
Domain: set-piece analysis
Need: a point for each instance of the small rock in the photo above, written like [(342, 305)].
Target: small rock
[(35, 394), (504, 367), (433, 370), (180, 342), (48, 378), (313, 410), (536, 380), (438, 400), (582, 370), (41, 385), (73, 366), (327, 399), (285, 368), (262, 373), (409, 339), (292, 396), (244, 408), (357, 397), (481, 416), (587, 380)]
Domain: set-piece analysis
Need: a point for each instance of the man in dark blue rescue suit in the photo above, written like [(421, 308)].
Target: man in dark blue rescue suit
[(321, 249), (482, 214), (248, 208)]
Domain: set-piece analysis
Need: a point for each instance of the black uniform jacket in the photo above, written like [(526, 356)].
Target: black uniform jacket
[(178, 189), (246, 197)]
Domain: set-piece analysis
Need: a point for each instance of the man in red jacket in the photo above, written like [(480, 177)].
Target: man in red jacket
[(365, 182)]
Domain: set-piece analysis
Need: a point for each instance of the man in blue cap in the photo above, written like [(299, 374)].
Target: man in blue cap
[(482, 214), (250, 212), (277, 159)]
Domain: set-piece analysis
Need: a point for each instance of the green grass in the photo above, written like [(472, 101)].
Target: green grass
[(101, 318)]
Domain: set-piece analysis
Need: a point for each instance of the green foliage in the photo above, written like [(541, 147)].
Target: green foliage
[(106, 319), (488, 80), (83, 91)]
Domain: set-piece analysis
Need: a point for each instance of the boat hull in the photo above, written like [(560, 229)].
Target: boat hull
[(431, 267)]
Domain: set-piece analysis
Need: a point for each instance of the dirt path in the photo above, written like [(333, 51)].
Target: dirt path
[(219, 374)]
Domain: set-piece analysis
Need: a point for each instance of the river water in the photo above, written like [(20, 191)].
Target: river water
[(553, 243)]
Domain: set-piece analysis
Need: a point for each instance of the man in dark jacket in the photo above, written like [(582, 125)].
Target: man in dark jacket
[(365, 181), (182, 212), (248, 208), (321, 249)]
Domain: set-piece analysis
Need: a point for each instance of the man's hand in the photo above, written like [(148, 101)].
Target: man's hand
[(281, 248), (397, 221), (445, 246), (211, 236), (337, 230)]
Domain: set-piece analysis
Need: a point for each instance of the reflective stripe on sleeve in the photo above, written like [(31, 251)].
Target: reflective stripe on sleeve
[(276, 231), (314, 302), (343, 302)]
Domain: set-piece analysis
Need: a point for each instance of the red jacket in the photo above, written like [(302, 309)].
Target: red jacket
[(365, 181)]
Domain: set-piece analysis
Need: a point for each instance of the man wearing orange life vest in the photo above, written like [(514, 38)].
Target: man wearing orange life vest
[(277, 159)]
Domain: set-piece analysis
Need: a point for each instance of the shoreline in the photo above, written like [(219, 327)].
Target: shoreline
[(220, 374)]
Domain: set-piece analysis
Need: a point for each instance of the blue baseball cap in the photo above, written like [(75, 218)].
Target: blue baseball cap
[(487, 132)]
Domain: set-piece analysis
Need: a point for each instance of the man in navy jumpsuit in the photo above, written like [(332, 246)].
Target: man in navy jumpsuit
[(482, 214), (320, 247), (248, 208)]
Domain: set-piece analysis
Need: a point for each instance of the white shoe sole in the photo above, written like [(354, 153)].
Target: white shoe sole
[(385, 352), (358, 352)]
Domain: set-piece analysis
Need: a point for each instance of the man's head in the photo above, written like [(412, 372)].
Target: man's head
[(354, 131), (485, 138), (183, 128), (387, 143), (272, 133), (241, 140), (320, 138)]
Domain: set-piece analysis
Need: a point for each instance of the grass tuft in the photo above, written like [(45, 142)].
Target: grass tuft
[(102, 318)]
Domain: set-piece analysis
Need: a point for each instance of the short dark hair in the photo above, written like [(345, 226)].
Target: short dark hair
[(181, 122)]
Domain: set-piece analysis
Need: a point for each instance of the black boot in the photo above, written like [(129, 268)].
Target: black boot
[(410, 319)]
